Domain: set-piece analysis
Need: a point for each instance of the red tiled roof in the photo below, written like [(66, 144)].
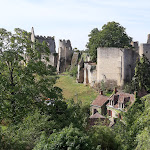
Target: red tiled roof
[(97, 115), (100, 100), (122, 98)]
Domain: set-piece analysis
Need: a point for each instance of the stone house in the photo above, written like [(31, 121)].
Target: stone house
[(98, 109), (118, 102), (110, 107)]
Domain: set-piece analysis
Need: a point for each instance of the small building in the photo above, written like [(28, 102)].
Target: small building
[(118, 102), (94, 118), (104, 107), (98, 109)]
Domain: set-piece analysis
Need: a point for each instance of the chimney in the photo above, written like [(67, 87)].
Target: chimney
[(101, 92), (115, 90)]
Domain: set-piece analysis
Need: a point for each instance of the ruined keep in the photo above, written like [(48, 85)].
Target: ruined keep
[(65, 53), (51, 44), (115, 64), (49, 40)]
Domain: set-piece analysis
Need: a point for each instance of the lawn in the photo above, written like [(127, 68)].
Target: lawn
[(76, 91)]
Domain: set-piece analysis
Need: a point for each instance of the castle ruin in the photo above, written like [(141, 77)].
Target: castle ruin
[(115, 65)]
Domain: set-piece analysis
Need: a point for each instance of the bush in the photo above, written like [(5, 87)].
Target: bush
[(73, 72), (68, 139), (24, 135)]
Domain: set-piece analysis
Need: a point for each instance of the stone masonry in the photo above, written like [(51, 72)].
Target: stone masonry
[(115, 64), (51, 44), (65, 53)]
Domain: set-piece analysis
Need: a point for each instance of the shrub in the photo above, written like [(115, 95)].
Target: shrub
[(73, 72)]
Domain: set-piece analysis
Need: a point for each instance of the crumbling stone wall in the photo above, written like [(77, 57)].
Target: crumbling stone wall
[(80, 75), (90, 73), (75, 59)]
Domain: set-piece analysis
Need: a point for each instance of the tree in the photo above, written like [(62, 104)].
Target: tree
[(68, 139), (142, 71), (24, 78), (104, 137), (111, 35)]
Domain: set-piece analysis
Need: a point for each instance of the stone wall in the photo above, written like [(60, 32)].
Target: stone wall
[(51, 44), (49, 40), (80, 75), (115, 64), (75, 59), (90, 73)]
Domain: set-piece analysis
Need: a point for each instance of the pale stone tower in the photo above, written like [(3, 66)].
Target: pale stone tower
[(64, 55)]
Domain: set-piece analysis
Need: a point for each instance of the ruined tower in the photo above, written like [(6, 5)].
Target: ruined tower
[(51, 44), (64, 55), (49, 40)]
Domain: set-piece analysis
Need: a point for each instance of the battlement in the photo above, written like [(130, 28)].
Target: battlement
[(50, 40), (65, 44), (44, 37)]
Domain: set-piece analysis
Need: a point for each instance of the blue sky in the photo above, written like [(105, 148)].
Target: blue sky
[(74, 19)]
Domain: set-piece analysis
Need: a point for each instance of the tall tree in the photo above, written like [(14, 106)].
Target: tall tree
[(142, 71), (24, 77), (111, 35)]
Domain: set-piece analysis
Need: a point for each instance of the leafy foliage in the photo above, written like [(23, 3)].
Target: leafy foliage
[(135, 128), (111, 35), (24, 77), (103, 136), (142, 72), (25, 134), (73, 72), (68, 139)]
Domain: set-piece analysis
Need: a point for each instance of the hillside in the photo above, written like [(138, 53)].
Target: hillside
[(76, 91)]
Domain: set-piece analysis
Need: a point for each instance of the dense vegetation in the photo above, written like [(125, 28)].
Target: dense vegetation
[(111, 35)]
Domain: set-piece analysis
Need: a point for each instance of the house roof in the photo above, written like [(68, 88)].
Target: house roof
[(97, 115), (121, 97), (100, 100)]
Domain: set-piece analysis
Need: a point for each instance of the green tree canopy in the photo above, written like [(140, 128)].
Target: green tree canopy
[(68, 139), (24, 77), (111, 35)]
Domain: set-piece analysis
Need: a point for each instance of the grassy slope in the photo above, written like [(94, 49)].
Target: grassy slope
[(73, 90)]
